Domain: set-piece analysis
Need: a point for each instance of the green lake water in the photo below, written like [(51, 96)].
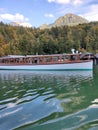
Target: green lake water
[(49, 100)]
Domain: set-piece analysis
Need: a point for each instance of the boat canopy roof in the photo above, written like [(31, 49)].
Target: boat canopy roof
[(28, 56), (12, 56)]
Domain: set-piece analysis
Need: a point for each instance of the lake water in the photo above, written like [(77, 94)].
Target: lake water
[(60, 100)]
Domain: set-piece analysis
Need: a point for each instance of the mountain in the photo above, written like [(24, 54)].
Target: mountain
[(69, 20), (44, 26)]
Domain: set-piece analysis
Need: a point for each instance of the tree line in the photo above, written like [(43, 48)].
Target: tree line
[(15, 40)]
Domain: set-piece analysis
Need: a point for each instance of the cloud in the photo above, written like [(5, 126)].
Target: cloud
[(77, 2), (49, 15), (92, 15), (74, 2), (18, 18), (60, 1)]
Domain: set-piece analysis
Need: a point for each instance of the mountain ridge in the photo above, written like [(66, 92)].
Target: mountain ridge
[(68, 19)]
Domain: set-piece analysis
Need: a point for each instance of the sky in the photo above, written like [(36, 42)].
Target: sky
[(34, 13)]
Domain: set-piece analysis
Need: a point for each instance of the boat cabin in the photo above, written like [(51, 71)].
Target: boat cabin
[(39, 59)]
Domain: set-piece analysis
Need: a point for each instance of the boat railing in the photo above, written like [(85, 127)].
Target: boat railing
[(44, 63), (38, 60)]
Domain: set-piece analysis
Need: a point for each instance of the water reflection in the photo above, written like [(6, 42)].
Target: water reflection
[(10, 75), (73, 121), (45, 98)]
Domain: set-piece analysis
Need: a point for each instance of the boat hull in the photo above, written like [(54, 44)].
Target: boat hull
[(86, 65)]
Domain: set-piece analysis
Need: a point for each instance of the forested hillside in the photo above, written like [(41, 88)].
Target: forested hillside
[(20, 40)]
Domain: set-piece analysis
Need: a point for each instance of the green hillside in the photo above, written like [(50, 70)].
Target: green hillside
[(20, 40)]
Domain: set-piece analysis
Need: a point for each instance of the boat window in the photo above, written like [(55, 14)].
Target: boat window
[(56, 58), (73, 57), (35, 60), (65, 57), (21, 59), (48, 59), (0, 60), (11, 60), (40, 59), (17, 60)]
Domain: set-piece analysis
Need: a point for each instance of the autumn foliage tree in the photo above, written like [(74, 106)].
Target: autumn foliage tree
[(25, 41)]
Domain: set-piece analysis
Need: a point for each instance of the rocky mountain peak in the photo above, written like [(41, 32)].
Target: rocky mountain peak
[(68, 19)]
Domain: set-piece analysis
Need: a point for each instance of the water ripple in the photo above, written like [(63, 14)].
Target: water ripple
[(47, 100)]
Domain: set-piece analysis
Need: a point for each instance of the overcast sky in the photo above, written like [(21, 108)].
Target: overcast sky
[(37, 12)]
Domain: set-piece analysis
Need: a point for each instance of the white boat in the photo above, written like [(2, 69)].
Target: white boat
[(45, 62)]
